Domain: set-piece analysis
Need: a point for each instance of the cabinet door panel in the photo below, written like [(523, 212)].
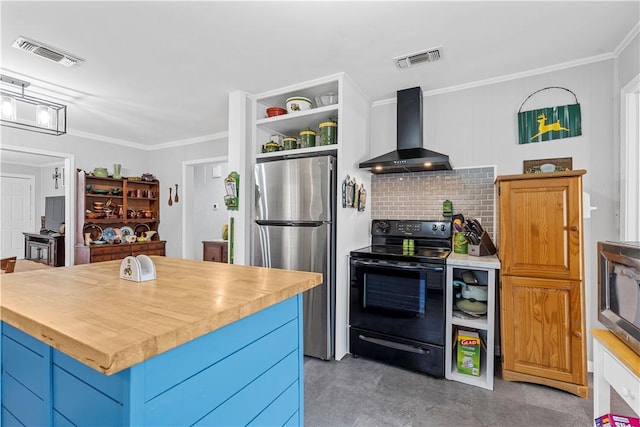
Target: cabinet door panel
[(542, 329), (214, 251), (540, 228)]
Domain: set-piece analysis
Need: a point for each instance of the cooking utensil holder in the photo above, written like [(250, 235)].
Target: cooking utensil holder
[(486, 246)]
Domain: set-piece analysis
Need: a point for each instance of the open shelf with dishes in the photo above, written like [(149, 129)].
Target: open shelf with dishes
[(294, 122), (117, 217), (471, 308)]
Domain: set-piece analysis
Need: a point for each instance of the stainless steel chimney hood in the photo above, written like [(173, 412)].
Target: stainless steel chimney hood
[(410, 156)]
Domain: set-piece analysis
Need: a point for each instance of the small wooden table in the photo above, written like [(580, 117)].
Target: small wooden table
[(215, 250), (614, 365), (45, 248)]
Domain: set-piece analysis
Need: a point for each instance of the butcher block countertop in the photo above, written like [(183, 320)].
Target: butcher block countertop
[(110, 324)]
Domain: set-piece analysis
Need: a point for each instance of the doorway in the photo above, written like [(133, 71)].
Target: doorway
[(18, 212), (203, 210), (42, 158)]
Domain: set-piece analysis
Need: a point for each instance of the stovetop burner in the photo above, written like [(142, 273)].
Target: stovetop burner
[(432, 241), (390, 252)]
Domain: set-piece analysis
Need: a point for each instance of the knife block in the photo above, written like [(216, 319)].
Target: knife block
[(486, 246)]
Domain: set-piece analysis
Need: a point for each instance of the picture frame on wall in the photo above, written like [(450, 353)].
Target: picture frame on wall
[(547, 165)]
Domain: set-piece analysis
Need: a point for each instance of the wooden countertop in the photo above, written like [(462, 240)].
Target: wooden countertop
[(627, 356), (110, 324)]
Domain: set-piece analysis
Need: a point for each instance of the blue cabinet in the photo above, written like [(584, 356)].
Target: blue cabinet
[(246, 373)]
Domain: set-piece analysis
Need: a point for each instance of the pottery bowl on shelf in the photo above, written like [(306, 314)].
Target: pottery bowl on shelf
[(275, 111), (298, 103), (100, 172)]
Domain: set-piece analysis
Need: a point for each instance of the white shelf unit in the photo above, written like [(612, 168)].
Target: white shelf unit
[(291, 124), (353, 113), (486, 271)]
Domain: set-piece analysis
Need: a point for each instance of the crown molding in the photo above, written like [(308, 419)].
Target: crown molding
[(625, 42), (107, 139), (508, 77), (189, 141), (138, 146)]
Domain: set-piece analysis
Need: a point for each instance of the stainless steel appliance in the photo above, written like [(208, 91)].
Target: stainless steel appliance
[(293, 229), (397, 295), (619, 290)]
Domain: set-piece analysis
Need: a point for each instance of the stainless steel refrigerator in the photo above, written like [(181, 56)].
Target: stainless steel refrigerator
[(293, 229)]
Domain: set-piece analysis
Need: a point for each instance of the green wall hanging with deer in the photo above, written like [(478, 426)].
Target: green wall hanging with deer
[(546, 124)]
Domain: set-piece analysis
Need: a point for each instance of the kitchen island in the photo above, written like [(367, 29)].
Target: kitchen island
[(203, 344)]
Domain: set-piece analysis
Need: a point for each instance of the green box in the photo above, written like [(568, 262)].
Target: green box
[(468, 352)]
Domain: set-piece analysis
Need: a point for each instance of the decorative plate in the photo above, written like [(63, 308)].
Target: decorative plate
[(98, 242), (95, 231), (98, 191), (141, 229), (475, 308), (126, 231), (109, 234)]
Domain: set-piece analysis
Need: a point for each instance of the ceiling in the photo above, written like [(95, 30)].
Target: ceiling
[(158, 73)]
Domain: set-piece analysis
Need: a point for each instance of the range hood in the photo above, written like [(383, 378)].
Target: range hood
[(410, 156)]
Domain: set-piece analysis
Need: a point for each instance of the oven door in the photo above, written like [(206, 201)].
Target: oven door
[(405, 301)]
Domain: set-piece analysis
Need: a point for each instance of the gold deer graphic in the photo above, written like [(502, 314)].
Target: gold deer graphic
[(543, 128)]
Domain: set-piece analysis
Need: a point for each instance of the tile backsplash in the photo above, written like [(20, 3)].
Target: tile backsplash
[(419, 195)]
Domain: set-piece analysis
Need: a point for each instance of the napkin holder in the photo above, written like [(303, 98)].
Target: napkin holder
[(137, 269), (486, 246)]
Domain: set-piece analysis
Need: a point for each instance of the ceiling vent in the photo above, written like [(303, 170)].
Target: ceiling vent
[(47, 52), (429, 55)]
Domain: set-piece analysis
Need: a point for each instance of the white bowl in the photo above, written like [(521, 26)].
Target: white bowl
[(298, 103)]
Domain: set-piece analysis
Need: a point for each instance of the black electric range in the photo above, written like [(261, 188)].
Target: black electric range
[(397, 298)]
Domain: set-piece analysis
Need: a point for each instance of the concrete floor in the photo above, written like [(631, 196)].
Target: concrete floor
[(361, 392)]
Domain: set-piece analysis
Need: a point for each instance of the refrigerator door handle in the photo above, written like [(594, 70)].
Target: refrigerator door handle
[(265, 247), (292, 223)]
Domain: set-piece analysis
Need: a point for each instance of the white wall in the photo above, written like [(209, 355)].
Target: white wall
[(166, 165), (478, 126), (206, 188)]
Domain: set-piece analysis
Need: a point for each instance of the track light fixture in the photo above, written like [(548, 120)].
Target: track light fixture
[(21, 111)]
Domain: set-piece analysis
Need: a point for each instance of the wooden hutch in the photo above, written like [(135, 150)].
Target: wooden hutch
[(137, 210)]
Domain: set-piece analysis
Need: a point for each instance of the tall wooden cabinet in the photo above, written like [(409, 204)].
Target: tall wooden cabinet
[(542, 289), (137, 210)]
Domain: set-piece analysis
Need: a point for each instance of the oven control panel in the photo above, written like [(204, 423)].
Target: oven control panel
[(411, 228)]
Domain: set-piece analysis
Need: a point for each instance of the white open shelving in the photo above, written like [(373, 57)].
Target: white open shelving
[(486, 270), (292, 123)]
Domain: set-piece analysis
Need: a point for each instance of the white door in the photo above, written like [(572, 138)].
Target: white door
[(16, 214)]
